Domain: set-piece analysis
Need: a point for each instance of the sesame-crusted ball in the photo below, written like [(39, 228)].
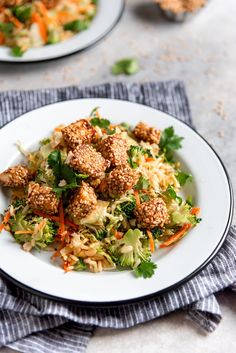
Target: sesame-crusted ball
[(148, 134), (120, 180), (15, 177), (79, 133), (83, 202), (152, 214), (42, 198), (114, 148), (85, 159)]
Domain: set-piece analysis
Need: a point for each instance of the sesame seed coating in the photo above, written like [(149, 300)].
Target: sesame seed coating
[(85, 159), (148, 134), (152, 214), (42, 198), (120, 180), (15, 177), (83, 202), (114, 148), (78, 133)]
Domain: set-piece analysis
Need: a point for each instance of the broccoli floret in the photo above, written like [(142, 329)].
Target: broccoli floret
[(135, 153), (131, 250), (182, 215), (24, 220), (127, 207)]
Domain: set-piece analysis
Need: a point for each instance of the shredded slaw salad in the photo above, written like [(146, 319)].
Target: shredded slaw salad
[(32, 24), (115, 234)]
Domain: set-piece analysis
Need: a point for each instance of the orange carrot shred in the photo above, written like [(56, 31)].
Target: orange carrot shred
[(55, 218), (195, 210), (2, 38), (15, 21), (5, 220), (136, 195), (61, 229), (36, 18), (149, 159), (119, 235), (151, 241), (176, 236)]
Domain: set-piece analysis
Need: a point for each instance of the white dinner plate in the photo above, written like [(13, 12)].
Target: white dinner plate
[(108, 14), (211, 191)]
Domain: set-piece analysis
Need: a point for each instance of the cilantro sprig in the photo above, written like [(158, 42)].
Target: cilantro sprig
[(146, 269), (169, 143), (142, 184), (62, 171), (183, 178), (171, 194)]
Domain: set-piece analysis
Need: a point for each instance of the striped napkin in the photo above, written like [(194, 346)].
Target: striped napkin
[(32, 324)]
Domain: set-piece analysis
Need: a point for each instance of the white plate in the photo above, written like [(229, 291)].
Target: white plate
[(108, 14), (211, 190)]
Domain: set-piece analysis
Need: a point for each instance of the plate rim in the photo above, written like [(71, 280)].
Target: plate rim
[(107, 304), (91, 45)]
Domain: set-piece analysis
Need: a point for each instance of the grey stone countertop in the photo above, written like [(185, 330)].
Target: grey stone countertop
[(202, 53)]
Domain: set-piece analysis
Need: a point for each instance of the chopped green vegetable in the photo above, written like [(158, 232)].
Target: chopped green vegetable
[(171, 194), (76, 26), (6, 28), (130, 250), (102, 123), (169, 142), (183, 177), (128, 207), (80, 265), (156, 232), (125, 66), (17, 51), (22, 13), (54, 162), (142, 184), (45, 141), (183, 215), (101, 234), (25, 220), (135, 153), (53, 37), (189, 200), (146, 269)]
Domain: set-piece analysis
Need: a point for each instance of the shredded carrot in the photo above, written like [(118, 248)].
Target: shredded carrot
[(5, 220), (24, 232), (136, 195), (36, 18), (58, 129), (176, 236), (195, 210), (55, 219), (149, 159), (15, 21), (66, 266), (2, 38), (151, 241), (118, 235), (61, 229), (43, 9)]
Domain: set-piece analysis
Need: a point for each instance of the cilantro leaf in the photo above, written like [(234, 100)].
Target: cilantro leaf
[(94, 112), (146, 269), (17, 51), (142, 184), (156, 232), (54, 162), (134, 153), (171, 194), (169, 142), (125, 66), (102, 123), (183, 177)]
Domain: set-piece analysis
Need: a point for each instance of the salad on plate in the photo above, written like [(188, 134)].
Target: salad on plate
[(100, 196), (26, 24)]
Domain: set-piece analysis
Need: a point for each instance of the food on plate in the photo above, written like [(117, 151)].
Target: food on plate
[(100, 196), (28, 24)]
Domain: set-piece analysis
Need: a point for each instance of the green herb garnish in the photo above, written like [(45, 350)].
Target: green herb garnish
[(125, 66), (145, 269)]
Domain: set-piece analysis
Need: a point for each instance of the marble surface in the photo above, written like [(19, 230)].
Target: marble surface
[(200, 52)]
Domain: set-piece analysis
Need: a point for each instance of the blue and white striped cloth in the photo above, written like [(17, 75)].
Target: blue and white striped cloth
[(32, 324)]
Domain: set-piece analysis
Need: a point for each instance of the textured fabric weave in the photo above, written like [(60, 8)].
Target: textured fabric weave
[(32, 324)]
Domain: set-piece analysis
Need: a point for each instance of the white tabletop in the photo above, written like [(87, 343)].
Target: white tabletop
[(201, 52)]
